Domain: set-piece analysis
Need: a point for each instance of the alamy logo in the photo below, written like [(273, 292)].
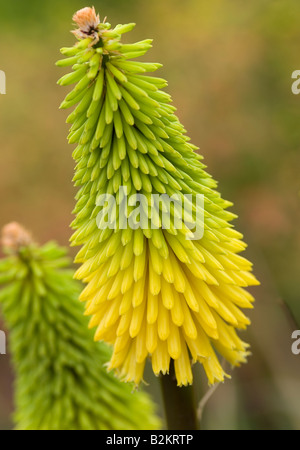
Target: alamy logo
[(152, 212), (2, 343), (296, 344), (2, 82), (296, 84)]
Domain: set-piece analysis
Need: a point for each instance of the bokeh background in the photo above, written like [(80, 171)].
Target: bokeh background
[(229, 67)]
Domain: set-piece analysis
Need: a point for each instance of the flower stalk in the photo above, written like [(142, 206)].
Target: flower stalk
[(180, 407)]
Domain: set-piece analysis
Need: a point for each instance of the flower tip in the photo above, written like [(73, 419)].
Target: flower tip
[(87, 19), (14, 236)]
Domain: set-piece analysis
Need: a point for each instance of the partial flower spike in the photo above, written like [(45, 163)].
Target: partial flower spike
[(160, 257), (60, 379)]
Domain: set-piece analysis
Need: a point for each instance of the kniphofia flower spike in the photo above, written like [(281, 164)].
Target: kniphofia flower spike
[(152, 292)]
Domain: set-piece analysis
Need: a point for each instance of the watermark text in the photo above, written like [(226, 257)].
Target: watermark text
[(2, 343), (296, 84), (2, 82), (296, 343), (152, 212)]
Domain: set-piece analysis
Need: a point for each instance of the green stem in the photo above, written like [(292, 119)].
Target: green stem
[(179, 403)]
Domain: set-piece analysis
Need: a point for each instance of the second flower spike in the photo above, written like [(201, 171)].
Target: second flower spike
[(60, 378)]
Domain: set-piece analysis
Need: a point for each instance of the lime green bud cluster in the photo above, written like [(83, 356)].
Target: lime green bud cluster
[(61, 382)]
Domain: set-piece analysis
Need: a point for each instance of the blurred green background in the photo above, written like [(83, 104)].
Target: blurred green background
[(229, 67)]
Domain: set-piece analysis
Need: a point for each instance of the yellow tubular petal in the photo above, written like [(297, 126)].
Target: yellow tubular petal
[(242, 303), (103, 269), (210, 237), (178, 249), (230, 315), (116, 287), (190, 297), (111, 332), (140, 266), (92, 309), (156, 259), (88, 303), (168, 271), (210, 279), (125, 322), (163, 321), (179, 278), (96, 274), (210, 260), (154, 280), (235, 246), (204, 291), (100, 332), (238, 343), (177, 311), (238, 314), (126, 303), (126, 236), (136, 373), (206, 314), (235, 276), (167, 294), (113, 313), (113, 244), (187, 244), (199, 347), (197, 255), (95, 320), (174, 342), (127, 280), (232, 356), (228, 262), (139, 292), (90, 288), (103, 293), (232, 233), (240, 261), (157, 239), (141, 348), (188, 324), (83, 271), (211, 332), (161, 359), (151, 338), (224, 334), (115, 263), (137, 320), (197, 270), (183, 368), (122, 343), (119, 356), (131, 370), (204, 341), (138, 242), (152, 308), (127, 256), (98, 259), (249, 278), (139, 373), (214, 370), (203, 309)]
